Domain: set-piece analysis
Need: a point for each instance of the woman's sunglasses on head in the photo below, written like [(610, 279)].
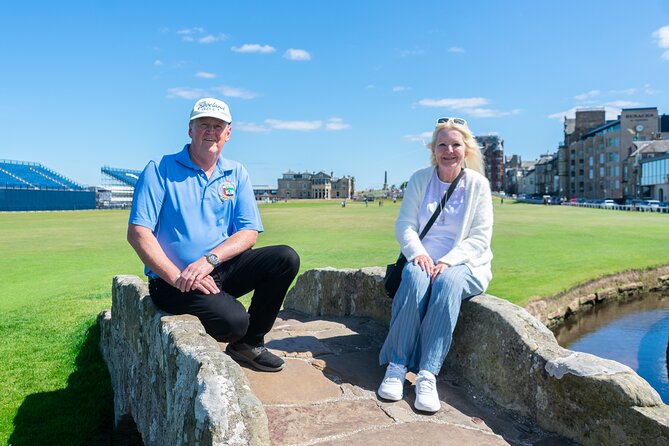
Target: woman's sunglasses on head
[(458, 121)]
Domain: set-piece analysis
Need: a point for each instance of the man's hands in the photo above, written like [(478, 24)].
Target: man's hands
[(427, 265), (196, 277)]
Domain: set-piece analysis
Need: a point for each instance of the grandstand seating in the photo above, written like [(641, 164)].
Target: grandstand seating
[(126, 176), (20, 174)]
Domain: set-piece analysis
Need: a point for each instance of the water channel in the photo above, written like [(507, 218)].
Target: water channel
[(633, 333)]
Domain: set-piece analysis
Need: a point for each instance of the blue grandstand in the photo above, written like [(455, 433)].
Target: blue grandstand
[(125, 176), (118, 185), (22, 174), (26, 186)]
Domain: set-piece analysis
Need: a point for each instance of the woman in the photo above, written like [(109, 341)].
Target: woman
[(450, 264)]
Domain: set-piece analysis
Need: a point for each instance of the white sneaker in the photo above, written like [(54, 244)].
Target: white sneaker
[(392, 386), (427, 399)]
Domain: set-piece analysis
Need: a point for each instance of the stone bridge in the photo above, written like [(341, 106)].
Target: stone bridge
[(505, 381)]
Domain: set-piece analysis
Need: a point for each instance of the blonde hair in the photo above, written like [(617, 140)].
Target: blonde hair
[(473, 158)]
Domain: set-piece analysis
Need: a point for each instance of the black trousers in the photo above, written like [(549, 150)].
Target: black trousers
[(269, 271)]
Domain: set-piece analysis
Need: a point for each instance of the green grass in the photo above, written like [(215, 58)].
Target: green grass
[(57, 269)]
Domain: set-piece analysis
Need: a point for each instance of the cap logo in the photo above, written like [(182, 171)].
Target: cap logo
[(209, 106)]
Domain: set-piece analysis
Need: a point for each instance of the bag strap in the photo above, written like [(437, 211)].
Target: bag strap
[(444, 199)]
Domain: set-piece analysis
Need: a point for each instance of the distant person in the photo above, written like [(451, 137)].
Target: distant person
[(193, 222), (450, 264)]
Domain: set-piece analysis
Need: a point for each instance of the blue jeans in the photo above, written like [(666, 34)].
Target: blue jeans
[(424, 315)]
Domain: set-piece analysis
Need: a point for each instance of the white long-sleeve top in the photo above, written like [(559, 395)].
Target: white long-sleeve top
[(472, 243)]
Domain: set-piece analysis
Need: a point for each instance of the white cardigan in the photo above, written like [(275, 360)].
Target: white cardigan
[(472, 244)]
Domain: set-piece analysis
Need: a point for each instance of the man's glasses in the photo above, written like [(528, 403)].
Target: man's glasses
[(458, 121)]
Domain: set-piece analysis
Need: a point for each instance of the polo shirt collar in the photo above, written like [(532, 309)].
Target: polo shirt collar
[(223, 165)]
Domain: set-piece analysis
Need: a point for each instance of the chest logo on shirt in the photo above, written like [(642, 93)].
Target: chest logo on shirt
[(226, 191)]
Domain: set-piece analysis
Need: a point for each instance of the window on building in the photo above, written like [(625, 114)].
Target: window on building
[(601, 171), (590, 161), (601, 158), (591, 174)]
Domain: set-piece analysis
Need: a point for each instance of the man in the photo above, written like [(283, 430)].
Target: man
[(193, 223)]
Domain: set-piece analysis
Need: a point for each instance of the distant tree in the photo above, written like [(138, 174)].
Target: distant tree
[(404, 185)]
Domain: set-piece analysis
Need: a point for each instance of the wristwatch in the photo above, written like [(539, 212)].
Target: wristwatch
[(213, 259)]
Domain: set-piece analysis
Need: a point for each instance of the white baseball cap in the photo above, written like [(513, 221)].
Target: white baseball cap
[(211, 108)]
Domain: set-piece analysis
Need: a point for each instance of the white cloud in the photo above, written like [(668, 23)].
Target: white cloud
[(424, 137), (470, 106), (398, 88), (454, 103), (186, 93), (253, 48), (413, 52), (649, 90), (588, 95), (627, 91), (662, 38), (188, 31), (250, 127), (158, 62), (212, 38), (296, 54), (336, 124), (205, 75), (610, 112), (304, 126), (233, 92), (190, 35), (623, 104), (456, 49), (488, 112)]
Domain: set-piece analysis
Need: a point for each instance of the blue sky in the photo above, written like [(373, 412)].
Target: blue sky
[(349, 87)]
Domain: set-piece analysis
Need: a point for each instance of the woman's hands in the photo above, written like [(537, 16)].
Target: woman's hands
[(427, 265)]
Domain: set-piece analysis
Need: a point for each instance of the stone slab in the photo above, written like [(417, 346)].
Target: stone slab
[(298, 383), (309, 423), (424, 433), (361, 368)]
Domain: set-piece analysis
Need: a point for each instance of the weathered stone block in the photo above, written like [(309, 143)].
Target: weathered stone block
[(172, 378), (341, 292)]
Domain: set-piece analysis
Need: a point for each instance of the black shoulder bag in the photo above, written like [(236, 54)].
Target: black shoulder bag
[(393, 277)]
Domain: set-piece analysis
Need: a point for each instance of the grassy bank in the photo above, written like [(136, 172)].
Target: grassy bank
[(57, 269)]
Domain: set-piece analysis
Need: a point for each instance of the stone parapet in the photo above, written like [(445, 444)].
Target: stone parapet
[(509, 355), (171, 378), (341, 292)]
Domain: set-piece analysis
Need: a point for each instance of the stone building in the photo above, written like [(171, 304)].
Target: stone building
[(515, 170), (492, 149), (546, 178), (314, 185)]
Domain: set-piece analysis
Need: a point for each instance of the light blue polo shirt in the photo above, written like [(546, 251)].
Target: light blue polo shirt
[(189, 214)]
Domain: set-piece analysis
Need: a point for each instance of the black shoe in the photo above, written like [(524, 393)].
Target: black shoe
[(257, 357)]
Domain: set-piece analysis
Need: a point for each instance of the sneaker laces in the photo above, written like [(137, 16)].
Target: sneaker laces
[(395, 372), (425, 384)]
